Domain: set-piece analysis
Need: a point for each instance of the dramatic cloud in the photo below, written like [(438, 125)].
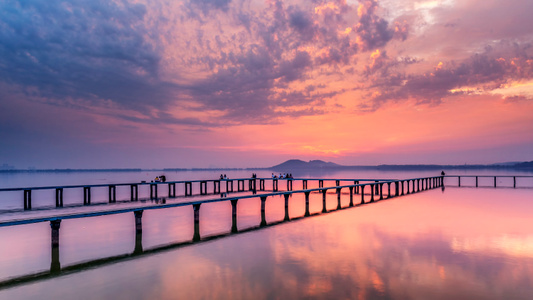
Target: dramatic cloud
[(94, 50), (480, 73), (176, 68)]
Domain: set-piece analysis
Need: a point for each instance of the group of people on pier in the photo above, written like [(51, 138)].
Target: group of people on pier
[(223, 176), (282, 176)]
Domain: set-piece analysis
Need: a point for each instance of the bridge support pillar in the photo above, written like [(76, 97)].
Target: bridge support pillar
[(356, 188), (289, 184), (261, 184), (112, 194), (494, 181), (339, 199), (171, 190), (321, 183), (216, 187), (138, 231), (153, 191), (234, 216), (188, 188), (286, 207), (196, 236), (372, 192), (514, 181), (240, 183), (55, 265), (263, 217), (86, 195), (362, 194), (351, 196), (27, 199), (381, 191), (307, 204), (134, 192), (324, 201), (59, 197), (274, 185), (229, 186), (203, 187), (388, 190), (304, 184)]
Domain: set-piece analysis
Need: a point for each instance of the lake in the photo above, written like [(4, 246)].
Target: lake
[(452, 243)]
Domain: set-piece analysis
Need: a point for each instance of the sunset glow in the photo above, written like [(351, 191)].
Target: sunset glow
[(243, 83)]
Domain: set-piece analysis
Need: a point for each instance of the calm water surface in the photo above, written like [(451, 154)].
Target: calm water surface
[(460, 243)]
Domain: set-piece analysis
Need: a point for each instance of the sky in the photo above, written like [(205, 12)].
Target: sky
[(245, 83)]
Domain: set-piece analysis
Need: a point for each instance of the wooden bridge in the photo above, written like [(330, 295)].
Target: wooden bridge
[(359, 191)]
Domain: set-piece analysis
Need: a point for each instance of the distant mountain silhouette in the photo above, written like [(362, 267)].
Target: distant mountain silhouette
[(297, 164)]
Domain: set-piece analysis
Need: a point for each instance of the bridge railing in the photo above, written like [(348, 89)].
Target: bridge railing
[(476, 180)]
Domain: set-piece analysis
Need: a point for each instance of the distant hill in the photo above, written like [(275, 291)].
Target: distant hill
[(297, 164), (524, 165)]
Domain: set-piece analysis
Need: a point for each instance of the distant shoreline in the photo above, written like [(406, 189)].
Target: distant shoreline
[(526, 166)]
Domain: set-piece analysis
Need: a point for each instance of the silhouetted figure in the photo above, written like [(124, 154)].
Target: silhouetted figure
[(442, 173)]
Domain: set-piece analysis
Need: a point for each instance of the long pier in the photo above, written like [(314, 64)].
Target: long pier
[(493, 180), (368, 191)]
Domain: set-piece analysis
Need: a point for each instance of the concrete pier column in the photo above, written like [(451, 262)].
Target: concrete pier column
[(337, 182), (307, 204), (401, 182), (263, 217), (304, 184), (59, 197), (134, 192), (172, 190), (229, 186), (289, 184), (396, 188), (138, 231), (514, 181), (324, 201), (339, 199), (86, 195), (203, 187), (417, 185), (351, 196), (286, 218), (477, 182), (188, 188), (362, 194), (27, 199), (494, 181), (240, 185), (55, 265), (216, 187), (153, 191), (372, 188), (459, 180), (376, 187), (261, 184), (112, 194), (381, 191), (388, 190), (138, 221), (196, 236), (275, 185), (234, 216), (321, 183), (138, 249)]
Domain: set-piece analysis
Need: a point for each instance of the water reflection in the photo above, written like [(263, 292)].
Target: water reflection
[(460, 244)]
